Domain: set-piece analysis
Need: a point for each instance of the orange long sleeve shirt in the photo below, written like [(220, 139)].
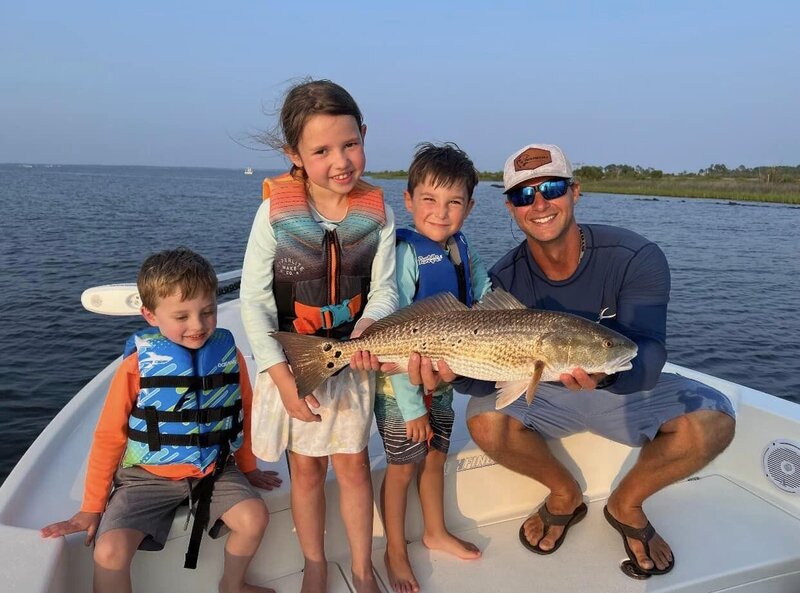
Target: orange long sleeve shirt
[(111, 437)]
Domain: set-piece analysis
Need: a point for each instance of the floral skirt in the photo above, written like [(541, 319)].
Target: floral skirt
[(346, 407)]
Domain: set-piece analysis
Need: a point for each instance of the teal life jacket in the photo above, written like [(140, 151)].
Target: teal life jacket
[(189, 405), (440, 270)]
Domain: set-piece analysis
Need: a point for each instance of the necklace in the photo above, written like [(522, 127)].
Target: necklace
[(583, 245)]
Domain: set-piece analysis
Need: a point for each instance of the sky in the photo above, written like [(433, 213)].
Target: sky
[(674, 85)]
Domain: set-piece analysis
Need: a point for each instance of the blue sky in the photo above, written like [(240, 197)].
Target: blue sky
[(673, 85)]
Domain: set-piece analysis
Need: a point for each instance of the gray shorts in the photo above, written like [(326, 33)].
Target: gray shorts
[(146, 502), (631, 419)]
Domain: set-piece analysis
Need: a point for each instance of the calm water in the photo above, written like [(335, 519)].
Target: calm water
[(735, 269)]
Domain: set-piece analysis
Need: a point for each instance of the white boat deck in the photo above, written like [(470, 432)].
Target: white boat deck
[(730, 528)]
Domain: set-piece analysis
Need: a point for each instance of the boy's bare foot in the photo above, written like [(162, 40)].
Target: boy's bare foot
[(401, 577), (366, 583), (315, 577), (447, 542), (245, 588)]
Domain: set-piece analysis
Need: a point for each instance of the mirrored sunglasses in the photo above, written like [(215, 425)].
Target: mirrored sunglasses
[(550, 190)]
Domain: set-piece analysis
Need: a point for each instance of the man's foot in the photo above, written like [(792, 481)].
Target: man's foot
[(401, 577), (652, 555), (533, 528), (366, 583), (315, 577), (245, 588), (449, 543)]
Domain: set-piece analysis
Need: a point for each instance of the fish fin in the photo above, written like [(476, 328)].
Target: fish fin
[(311, 363), (538, 368), (508, 392), (443, 302), (498, 299)]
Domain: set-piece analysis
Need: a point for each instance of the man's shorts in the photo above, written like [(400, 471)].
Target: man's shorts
[(631, 419), (146, 502), (392, 428)]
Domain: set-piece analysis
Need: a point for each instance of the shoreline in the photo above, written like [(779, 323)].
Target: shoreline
[(742, 190)]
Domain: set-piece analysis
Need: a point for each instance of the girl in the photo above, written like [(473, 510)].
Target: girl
[(320, 260)]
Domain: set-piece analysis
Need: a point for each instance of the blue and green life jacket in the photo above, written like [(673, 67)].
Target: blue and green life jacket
[(438, 269), (189, 405)]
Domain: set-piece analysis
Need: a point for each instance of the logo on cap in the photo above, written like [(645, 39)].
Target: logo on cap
[(532, 159)]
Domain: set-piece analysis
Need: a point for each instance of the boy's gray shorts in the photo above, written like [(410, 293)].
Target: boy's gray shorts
[(146, 502), (631, 419)]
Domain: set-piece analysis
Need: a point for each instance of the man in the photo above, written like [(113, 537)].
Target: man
[(620, 279)]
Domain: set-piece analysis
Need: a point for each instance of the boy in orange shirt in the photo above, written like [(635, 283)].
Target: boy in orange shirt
[(178, 406)]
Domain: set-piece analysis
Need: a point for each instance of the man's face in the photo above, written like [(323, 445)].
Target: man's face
[(545, 220)]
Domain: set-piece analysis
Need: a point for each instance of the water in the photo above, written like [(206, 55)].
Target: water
[(735, 271)]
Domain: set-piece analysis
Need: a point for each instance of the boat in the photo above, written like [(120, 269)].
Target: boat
[(248, 171), (734, 526)]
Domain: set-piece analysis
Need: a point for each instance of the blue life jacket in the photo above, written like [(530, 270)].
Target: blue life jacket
[(438, 270), (189, 405)]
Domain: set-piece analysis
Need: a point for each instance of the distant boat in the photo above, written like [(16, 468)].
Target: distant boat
[(248, 171)]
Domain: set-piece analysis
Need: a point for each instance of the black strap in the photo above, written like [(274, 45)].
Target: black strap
[(205, 382), (202, 416), (152, 437), (202, 515), (208, 439)]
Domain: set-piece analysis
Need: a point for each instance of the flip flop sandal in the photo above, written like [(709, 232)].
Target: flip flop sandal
[(548, 520), (644, 535)]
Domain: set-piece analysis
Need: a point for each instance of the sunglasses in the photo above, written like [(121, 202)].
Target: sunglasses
[(550, 190)]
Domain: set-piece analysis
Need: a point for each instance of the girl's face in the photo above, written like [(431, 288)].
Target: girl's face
[(331, 151)]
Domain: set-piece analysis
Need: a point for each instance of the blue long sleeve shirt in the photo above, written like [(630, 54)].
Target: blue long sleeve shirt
[(622, 275)]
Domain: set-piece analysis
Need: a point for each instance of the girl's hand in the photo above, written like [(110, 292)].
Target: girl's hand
[(419, 429), (300, 408), (364, 361), (297, 407), (266, 480), (81, 521)]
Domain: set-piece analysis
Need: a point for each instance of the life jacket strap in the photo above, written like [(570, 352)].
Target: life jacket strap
[(311, 319), (206, 439), (205, 382), (202, 514), (202, 416)]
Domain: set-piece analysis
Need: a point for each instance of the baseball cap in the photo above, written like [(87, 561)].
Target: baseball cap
[(535, 160)]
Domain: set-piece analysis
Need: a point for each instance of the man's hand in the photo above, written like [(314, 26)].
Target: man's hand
[(580, 380), (266, 480), (419, 429), (81, 521), (420, 372)]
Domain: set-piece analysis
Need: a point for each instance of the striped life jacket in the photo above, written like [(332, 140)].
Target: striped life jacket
[(438, 270), (189, 404), (321, 278)]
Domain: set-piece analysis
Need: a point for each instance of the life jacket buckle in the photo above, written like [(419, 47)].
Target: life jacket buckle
[(336, 315)]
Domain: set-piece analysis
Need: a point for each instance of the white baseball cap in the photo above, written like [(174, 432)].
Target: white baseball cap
[(535, 160)]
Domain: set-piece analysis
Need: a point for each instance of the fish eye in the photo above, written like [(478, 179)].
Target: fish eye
[(607, 343)]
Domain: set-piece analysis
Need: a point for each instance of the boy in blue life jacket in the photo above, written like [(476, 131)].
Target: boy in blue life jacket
[(415, 426), (175, 426)]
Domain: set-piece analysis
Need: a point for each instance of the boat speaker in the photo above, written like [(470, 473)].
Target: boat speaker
[(781, 462)]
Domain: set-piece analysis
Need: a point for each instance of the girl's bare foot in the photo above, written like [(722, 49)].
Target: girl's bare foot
[(447, 542), (315, 577), (401, 577)]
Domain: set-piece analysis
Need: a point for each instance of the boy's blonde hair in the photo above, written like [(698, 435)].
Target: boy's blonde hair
[(167, 272)]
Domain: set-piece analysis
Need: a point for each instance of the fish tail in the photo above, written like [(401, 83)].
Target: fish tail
[(313, 359)]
